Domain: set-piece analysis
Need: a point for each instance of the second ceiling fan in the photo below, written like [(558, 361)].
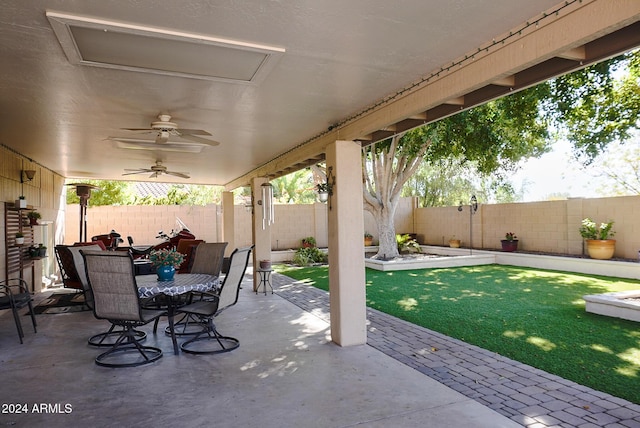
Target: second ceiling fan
[(156, 171)]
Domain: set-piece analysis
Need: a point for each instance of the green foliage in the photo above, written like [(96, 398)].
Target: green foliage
[(294, 188), (310, 241), (407, 245), (306, 256), (166, 257), (34, 215), (596, 106), (109, 193), (495, 135), (124, 193), (589, 229)]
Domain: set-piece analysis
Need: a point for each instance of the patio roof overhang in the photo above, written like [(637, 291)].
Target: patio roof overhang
[(543, 48)]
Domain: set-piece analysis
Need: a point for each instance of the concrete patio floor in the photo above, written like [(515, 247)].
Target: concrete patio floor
[(286, 373)]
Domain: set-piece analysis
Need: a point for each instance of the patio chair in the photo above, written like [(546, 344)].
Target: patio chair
[(67, 264), (209, 340), (187, 247), (112, 281), (207, 258), (74, 275), (14, 295)]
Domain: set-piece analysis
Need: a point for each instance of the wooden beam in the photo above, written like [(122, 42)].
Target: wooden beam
[(459, 101), (575, 54), (509, 81)]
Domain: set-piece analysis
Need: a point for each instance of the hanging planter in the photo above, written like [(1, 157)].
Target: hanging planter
[(21, 203)]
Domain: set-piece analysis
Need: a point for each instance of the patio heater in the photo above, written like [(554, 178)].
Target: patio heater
[(473, 207), (84, 193)]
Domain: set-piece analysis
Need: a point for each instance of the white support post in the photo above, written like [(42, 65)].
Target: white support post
[(346, 245)]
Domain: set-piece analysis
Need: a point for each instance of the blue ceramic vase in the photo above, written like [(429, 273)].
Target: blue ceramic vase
[(166, 273)]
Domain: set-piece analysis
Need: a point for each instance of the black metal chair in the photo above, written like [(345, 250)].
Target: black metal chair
[(208, 340), (111, 279), (14, 295)]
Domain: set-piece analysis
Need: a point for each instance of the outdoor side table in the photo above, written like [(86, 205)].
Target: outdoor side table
[(265, 280)]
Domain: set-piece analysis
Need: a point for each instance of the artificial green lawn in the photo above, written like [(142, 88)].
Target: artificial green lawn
[(533, 316)]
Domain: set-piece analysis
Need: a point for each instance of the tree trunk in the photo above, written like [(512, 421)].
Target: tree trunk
[(388, 248)]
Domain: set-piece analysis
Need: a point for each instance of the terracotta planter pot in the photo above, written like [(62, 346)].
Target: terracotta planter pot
[(509, 245), (265, 264), (454, 243), (368, 242), (601, 249)]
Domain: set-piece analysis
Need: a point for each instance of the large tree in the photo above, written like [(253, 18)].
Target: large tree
[(493, 136), (592, 106)]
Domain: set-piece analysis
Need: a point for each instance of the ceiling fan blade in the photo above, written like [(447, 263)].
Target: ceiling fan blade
[(178, 174), (136, 171), (139, 129), (200, 140), (193, 132)]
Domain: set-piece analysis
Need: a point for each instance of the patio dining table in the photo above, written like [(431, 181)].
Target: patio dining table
[(149, 286)]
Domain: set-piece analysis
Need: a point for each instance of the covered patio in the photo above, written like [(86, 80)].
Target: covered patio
[(325, 81), (288, 373)]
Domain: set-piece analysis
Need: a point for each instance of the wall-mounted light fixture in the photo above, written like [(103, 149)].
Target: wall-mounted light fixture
[(27, 175), (325, 190), (473, 207)]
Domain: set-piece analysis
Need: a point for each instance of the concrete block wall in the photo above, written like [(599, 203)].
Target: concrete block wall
[(143, 222), (550, 226)]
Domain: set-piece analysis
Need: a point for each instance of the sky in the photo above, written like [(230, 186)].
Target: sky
[(555, 172)]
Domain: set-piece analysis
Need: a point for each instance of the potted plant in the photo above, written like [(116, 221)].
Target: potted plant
[(323, 191), (510, 242), (166, 261), (368, 239), (454, 242), (42, 251), (308, 242), (21, 202), (599, 243), (265, 264), (19, 238), (33, 217)]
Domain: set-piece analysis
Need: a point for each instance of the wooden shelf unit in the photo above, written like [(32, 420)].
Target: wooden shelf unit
[(17, 258)]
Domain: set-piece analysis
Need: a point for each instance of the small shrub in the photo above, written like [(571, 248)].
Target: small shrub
[(309, 241), (309, 255), (407, 245)]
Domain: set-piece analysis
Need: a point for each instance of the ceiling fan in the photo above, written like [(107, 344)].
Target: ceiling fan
[(156, 170), (164, 128)]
